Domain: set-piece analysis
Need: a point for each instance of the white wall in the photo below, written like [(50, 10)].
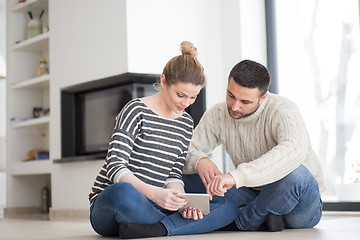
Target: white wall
[(2, 67), (253, 30), (88, 42), (156, 29), (142, 39), (2, 127), (96, 39), (2, 105)]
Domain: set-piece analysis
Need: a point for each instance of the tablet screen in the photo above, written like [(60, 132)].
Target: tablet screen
[(196, 200)]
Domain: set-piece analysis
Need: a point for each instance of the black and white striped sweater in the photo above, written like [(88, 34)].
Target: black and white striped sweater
[(151, 147)]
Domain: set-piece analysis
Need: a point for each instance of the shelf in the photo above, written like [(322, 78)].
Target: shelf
[(35, 44), (31, 122), (36, 167), (41, 82), (30, 5), (26, 91)]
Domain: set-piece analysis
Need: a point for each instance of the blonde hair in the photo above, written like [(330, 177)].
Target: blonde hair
[(185, 68)]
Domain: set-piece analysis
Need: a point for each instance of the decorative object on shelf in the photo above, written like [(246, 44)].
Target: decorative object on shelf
[(42, 155), (32, 154), (34, 28), (45, 29), (40, 112), (45, 199), (16, 120), (43, 68), (37, 154), (46, 112), (37, 112), (34, 25)]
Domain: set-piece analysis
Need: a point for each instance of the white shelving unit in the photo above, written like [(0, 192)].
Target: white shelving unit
[(25, 91), (41, 82), (35, 44), (40, 167), (29, 4), (31, 122)]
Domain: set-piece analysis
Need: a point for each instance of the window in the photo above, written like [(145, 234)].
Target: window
[(318, 59)]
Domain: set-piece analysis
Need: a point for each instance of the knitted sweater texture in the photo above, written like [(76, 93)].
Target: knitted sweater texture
[(264, 146)]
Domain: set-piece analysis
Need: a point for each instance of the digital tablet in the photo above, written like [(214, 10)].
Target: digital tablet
[(196, 200)]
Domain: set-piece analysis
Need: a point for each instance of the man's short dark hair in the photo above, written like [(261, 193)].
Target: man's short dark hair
[(251, 74)]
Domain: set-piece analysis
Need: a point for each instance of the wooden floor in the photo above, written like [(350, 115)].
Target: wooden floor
[(332, 226)]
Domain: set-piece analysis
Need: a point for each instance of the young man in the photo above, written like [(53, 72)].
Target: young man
[(278, 177)]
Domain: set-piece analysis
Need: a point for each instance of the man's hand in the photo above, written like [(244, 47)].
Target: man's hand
[(207, 170), (220, 184)]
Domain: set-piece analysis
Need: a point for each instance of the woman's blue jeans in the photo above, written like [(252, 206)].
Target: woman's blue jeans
[(296, 197), (121, 202)]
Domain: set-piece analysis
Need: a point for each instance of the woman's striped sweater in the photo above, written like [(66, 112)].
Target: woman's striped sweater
[(151, 147)]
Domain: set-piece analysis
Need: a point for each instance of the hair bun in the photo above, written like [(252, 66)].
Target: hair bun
[(188, 48)]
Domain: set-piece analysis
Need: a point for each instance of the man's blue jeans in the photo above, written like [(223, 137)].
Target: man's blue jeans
[(296, 197), (121, 202)]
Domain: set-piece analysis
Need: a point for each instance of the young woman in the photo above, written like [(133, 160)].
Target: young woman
[(142, 173)]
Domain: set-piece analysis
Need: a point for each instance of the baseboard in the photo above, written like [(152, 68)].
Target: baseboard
[(25, 212), (341, 206), (55, 214), (69, 214)]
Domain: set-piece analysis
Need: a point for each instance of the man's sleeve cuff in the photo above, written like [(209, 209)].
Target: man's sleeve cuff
[(238, 177)]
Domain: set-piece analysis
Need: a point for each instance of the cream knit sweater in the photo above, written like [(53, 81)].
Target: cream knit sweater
[(264, 147)]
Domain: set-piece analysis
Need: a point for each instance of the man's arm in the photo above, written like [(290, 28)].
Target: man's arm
[(205, 139), (207, 170), (292, 149)]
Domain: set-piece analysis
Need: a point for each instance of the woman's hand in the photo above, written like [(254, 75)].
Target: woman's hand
[(192, 213), (168, 199)]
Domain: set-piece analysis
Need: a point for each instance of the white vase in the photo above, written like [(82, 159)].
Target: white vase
[(34, 28)]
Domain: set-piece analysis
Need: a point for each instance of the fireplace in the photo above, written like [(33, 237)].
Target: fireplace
[(88, 113)]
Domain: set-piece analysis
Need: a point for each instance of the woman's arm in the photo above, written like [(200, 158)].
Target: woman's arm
[(176, 186), (166, 198)]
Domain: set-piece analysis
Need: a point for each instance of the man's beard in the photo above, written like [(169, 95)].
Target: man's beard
[(240, 115)]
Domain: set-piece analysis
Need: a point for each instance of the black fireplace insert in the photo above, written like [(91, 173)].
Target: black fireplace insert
[(88, 112)]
